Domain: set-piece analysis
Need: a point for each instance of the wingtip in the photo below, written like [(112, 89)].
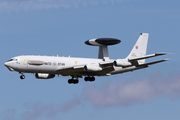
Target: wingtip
[(170, 53), (163, 53), (167, 59)]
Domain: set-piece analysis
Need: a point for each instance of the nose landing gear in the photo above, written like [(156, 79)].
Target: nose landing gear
[(22, 76)]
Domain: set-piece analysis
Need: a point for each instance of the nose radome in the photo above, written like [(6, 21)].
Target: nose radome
[(6, 64)]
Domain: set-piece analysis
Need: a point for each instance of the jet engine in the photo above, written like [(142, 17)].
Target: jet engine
[(44, 76), (122, 63), (92, 67)]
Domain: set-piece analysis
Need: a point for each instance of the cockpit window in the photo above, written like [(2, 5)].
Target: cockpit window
[(10, 60)]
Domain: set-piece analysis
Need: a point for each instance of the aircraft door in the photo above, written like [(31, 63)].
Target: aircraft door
[(25, 62)]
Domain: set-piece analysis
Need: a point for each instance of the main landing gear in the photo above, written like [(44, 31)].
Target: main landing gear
[(91, 79), (73, 81)]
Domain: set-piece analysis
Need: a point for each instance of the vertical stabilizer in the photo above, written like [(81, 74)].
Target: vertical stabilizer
[(140, 47)]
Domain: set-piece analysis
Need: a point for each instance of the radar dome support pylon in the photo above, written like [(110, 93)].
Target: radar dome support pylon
[(103, 46), (103, 53)]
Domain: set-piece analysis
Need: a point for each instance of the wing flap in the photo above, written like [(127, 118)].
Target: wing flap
[(146, 56), (151, 63), (69, 69)]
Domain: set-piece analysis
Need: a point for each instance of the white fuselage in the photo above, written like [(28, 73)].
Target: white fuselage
[(50, 64)]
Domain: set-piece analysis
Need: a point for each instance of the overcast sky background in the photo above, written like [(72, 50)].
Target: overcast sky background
[(60, 27)]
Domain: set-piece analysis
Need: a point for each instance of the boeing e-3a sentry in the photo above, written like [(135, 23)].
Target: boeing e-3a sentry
[(46, 67)]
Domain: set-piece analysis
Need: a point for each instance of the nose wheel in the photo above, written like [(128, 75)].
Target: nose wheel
[(22, 76)]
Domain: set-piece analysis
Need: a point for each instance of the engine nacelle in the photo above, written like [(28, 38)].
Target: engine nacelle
[(122, 63), (44, 76), (92, 67)]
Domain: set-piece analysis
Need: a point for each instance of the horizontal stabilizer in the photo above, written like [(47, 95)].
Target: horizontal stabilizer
[(146, 56), (151, 63)]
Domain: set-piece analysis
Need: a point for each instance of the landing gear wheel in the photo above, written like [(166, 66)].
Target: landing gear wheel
[(74, 81), (86, 79), (22, 76), (89, 79), (70, 81), (92, 78)]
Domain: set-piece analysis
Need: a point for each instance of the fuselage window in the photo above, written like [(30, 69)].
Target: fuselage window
[(10, 60), (15, 59)]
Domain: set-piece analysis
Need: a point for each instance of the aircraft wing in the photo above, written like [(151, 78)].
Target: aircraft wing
[(146, 56), (79, 70), (151, 63), (70, 69)]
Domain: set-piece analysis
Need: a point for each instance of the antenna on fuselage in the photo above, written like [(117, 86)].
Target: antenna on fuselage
[(103, 44)]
